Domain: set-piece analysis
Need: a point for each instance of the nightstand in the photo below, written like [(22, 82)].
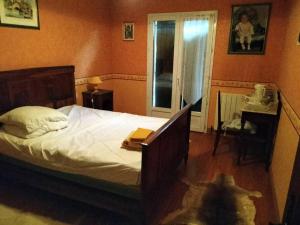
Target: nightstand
[(99, 99)]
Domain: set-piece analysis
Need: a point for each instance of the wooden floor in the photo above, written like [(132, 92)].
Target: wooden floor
[(202, 166)]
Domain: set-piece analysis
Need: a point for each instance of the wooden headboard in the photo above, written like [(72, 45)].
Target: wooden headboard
[(47, 86)]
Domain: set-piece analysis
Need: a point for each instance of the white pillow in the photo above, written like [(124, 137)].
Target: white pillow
[(66, 109), (33, 121)]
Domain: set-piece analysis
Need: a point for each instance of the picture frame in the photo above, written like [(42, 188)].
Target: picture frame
[(19, 13), (128, 31), (249, 28)]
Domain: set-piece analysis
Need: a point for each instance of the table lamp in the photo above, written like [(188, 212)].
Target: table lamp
[(93, 82)]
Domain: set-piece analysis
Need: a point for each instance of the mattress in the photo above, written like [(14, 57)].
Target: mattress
[(89, 146)]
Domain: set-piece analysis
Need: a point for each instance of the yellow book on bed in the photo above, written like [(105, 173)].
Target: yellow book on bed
[(140, 134)]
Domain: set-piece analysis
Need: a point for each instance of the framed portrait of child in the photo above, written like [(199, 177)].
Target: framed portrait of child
[(249, 28)]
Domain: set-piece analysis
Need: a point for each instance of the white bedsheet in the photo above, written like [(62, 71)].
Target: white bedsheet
[(90, 146)]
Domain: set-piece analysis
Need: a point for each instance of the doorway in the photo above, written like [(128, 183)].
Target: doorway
[(180, 57)]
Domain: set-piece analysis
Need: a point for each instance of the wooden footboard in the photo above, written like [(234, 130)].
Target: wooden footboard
[(162, 154)]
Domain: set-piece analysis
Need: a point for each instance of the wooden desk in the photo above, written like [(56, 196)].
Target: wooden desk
[(266, 118)]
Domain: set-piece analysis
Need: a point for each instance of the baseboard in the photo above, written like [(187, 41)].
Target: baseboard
[(275, 201)]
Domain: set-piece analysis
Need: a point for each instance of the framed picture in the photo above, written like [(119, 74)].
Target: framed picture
[(249, 28), (19, 13), (128, 31)]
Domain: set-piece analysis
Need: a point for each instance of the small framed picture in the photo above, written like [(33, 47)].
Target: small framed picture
[(249, 28), (128, 31), (19, 13)]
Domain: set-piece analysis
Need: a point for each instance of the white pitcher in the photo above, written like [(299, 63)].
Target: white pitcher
[(260, 91)]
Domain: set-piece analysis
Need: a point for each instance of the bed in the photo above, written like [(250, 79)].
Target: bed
[(149, 173)]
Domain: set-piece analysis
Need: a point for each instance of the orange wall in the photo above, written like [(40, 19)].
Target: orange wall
[(283, 160), (71, 32), (131, 57), (288, 81), (289, 78), (127, 97), (88, 35)]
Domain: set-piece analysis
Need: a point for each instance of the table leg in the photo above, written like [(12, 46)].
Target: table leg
[(241, 147)]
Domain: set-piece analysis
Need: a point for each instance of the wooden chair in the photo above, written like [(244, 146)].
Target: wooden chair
[(220, 130)]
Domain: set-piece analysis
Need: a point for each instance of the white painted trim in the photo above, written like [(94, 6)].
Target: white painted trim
[(213, 43), (159, 109), (181, 14), (149, 66), (176, 69)]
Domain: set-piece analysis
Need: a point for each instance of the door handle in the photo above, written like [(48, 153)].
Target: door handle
[(177, 80)]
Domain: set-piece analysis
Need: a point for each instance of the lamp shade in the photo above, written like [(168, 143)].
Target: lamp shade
[(93, 82)]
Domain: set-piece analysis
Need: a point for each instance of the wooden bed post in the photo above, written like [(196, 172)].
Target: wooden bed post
[(162, 155), (188, 134)]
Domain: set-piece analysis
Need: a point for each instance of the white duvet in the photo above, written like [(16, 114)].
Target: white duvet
[(89, 146)]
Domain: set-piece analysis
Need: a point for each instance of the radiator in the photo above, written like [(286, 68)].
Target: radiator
[(230, 107)]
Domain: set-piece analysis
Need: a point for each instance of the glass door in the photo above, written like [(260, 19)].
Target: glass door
[(180, 47), (195, 55), (163, 56)]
